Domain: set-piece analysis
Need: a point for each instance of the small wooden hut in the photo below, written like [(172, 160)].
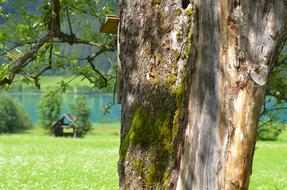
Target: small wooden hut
[(65, 126)]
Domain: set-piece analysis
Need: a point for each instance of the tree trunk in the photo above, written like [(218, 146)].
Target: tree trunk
[(193, 79)]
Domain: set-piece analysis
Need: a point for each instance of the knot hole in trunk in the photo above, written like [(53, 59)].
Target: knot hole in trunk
[(185, 3)]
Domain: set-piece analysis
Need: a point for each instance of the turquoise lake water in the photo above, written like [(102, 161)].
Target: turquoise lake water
[(96, 102)]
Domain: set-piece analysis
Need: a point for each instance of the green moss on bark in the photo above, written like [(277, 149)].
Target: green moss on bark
[(155, 134), (156, 2)]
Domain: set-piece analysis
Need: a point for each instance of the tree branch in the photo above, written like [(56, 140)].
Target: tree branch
[(17, 45), (86, 12), (68, 15), (24, 60), (54, 32)]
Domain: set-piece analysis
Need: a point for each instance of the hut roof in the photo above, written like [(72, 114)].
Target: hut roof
[(111, 24), (69, 117)]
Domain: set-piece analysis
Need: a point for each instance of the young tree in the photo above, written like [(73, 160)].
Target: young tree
[(23, 119), (194, 75), (8, 116), (81, 111), (49, 109), (13, 117)]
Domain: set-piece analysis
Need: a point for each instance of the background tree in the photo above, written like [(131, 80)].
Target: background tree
[(49, 110), (275, 103), (13, 117), (194, 75), (81, 111), (23, 119), (8, 116)]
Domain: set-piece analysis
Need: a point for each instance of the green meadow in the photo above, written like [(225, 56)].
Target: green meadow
[(72, 83), (270, 165), (35, 161)]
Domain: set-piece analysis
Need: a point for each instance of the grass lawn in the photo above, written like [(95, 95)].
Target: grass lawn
[(270, 165), (35, 161), (53, 82)]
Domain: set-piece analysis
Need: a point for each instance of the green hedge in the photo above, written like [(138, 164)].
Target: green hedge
[(270, 131)]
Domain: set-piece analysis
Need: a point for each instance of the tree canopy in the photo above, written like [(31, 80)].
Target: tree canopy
[(41, 35)]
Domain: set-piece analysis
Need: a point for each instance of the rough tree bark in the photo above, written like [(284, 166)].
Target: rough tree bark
[(193, 80)]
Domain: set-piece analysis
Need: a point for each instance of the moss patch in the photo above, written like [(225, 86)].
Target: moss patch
[(188, 12), (153, 133), (156, 2), (176, 54)]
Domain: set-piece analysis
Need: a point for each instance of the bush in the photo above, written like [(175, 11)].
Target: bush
[(24, 119), (13, 117), (81, 111), (270, 131), (49, 109)]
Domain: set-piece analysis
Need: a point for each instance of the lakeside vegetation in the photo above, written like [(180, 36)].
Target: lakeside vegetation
[(33, 160)]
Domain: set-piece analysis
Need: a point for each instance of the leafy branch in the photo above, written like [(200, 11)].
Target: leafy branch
[(45, 45)]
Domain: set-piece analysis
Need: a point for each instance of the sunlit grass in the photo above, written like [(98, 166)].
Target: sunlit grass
[(39, 162), (33, 161), (52, 82), (270, 165)]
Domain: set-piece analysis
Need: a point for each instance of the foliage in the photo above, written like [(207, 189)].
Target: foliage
[(49, 109), (81, 111), (13, 116), (42, 37), (24, 120), (275, 104), (269, 131)]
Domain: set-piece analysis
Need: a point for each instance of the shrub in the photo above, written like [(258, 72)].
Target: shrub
[(49, 109), (270, 131), (81, 111), (23, 117), (13, 116)]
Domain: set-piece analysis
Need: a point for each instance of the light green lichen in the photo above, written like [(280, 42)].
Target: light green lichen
[(188, 12), (176, 54), (188, 43), (171, 80), (156, 2), (179, 34)]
